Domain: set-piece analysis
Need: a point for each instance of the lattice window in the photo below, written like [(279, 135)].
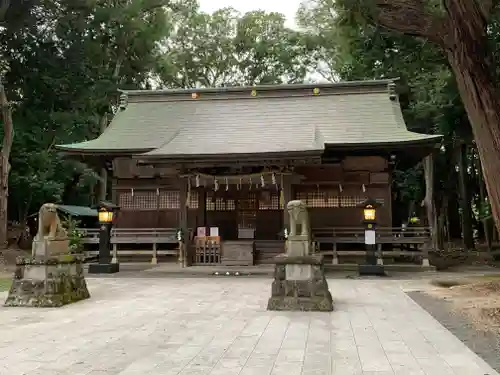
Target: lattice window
[(145, 200), (170, 200), (209, 205), (137, 200), (350, 201), (249, 202), (331, 199), (318, 199), (125, 200), (219, 204), (269, 202), (230, 205), (194, 200)]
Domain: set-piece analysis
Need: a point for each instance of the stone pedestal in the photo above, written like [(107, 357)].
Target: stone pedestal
[(299, 284), (53, 247), (51, 281)]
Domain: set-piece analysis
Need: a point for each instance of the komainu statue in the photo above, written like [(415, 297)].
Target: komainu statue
[(49, 225), (298, 215), (50, 230)]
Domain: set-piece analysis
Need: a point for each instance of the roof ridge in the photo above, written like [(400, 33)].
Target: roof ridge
[(277, 87)]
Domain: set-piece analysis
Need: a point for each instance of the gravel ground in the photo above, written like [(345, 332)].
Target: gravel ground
[(484, 344)]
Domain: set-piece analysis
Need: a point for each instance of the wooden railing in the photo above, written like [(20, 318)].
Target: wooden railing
[(90, 236), (416, 237), (133, 236)]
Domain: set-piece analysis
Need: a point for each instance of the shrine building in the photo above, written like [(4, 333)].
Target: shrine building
[(230, 159)]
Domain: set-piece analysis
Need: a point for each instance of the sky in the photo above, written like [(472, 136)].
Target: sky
[(287, 7)]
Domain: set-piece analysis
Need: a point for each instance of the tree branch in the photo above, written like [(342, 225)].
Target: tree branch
[(410, 17), (486, 7)]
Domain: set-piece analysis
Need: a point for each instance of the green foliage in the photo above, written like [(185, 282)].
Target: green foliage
[(227, 49), (75, 235), (63, 64), (484, 210)]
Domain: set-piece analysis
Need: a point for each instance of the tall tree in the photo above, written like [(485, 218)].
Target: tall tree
[(460, 29), (12, 15), (62, 79), (226, 49)]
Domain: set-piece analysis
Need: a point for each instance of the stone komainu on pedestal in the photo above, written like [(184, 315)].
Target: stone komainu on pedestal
[(299, 278), (51, 277)]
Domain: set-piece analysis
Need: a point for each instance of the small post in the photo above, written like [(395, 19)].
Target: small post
[(425, 256), (380, 256), (154, 259), (115, 254), (335, 259)]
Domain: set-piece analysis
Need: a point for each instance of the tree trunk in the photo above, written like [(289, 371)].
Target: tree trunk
[(465, 199), (429, 199), (471, 62), (462, 32), (8, 130)]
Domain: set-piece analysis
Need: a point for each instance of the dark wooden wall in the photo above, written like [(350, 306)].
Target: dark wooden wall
[(332, 192)]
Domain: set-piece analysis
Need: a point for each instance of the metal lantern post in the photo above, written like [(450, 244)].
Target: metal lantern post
[(106, 214), (369, 222)]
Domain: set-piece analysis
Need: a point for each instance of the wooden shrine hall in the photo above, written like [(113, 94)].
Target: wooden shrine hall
[(221, 163)]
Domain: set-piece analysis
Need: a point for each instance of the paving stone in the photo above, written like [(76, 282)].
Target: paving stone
[(220, 326)]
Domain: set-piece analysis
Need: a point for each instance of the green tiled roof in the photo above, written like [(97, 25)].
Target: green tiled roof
[(223, 121), (77, 210)]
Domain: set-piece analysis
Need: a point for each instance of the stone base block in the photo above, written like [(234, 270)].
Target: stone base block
[(300, 285), (54, 247), (300, 304), (51, 282), (371, 270), (104, 267)]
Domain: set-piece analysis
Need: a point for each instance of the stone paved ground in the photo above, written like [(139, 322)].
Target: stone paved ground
[(219, 326)]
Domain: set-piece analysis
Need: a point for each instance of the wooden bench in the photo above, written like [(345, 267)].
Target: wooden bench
[(413, 236), (136, 236)]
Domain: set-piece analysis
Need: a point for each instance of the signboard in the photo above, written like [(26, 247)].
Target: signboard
[(201, 232), (369, 237), (214, 231)]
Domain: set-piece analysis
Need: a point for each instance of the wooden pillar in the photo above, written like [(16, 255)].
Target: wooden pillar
[(287, 197), (202, 203), (103, 185), (114, 193), (183, 222), (154, 255)]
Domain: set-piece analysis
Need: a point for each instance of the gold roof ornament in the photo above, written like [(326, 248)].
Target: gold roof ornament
[(254, 93), (316, 91)]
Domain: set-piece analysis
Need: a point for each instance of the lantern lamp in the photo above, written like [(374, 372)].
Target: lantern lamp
[(369, 213), (105, 215), (374, 262), (107, 264)]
